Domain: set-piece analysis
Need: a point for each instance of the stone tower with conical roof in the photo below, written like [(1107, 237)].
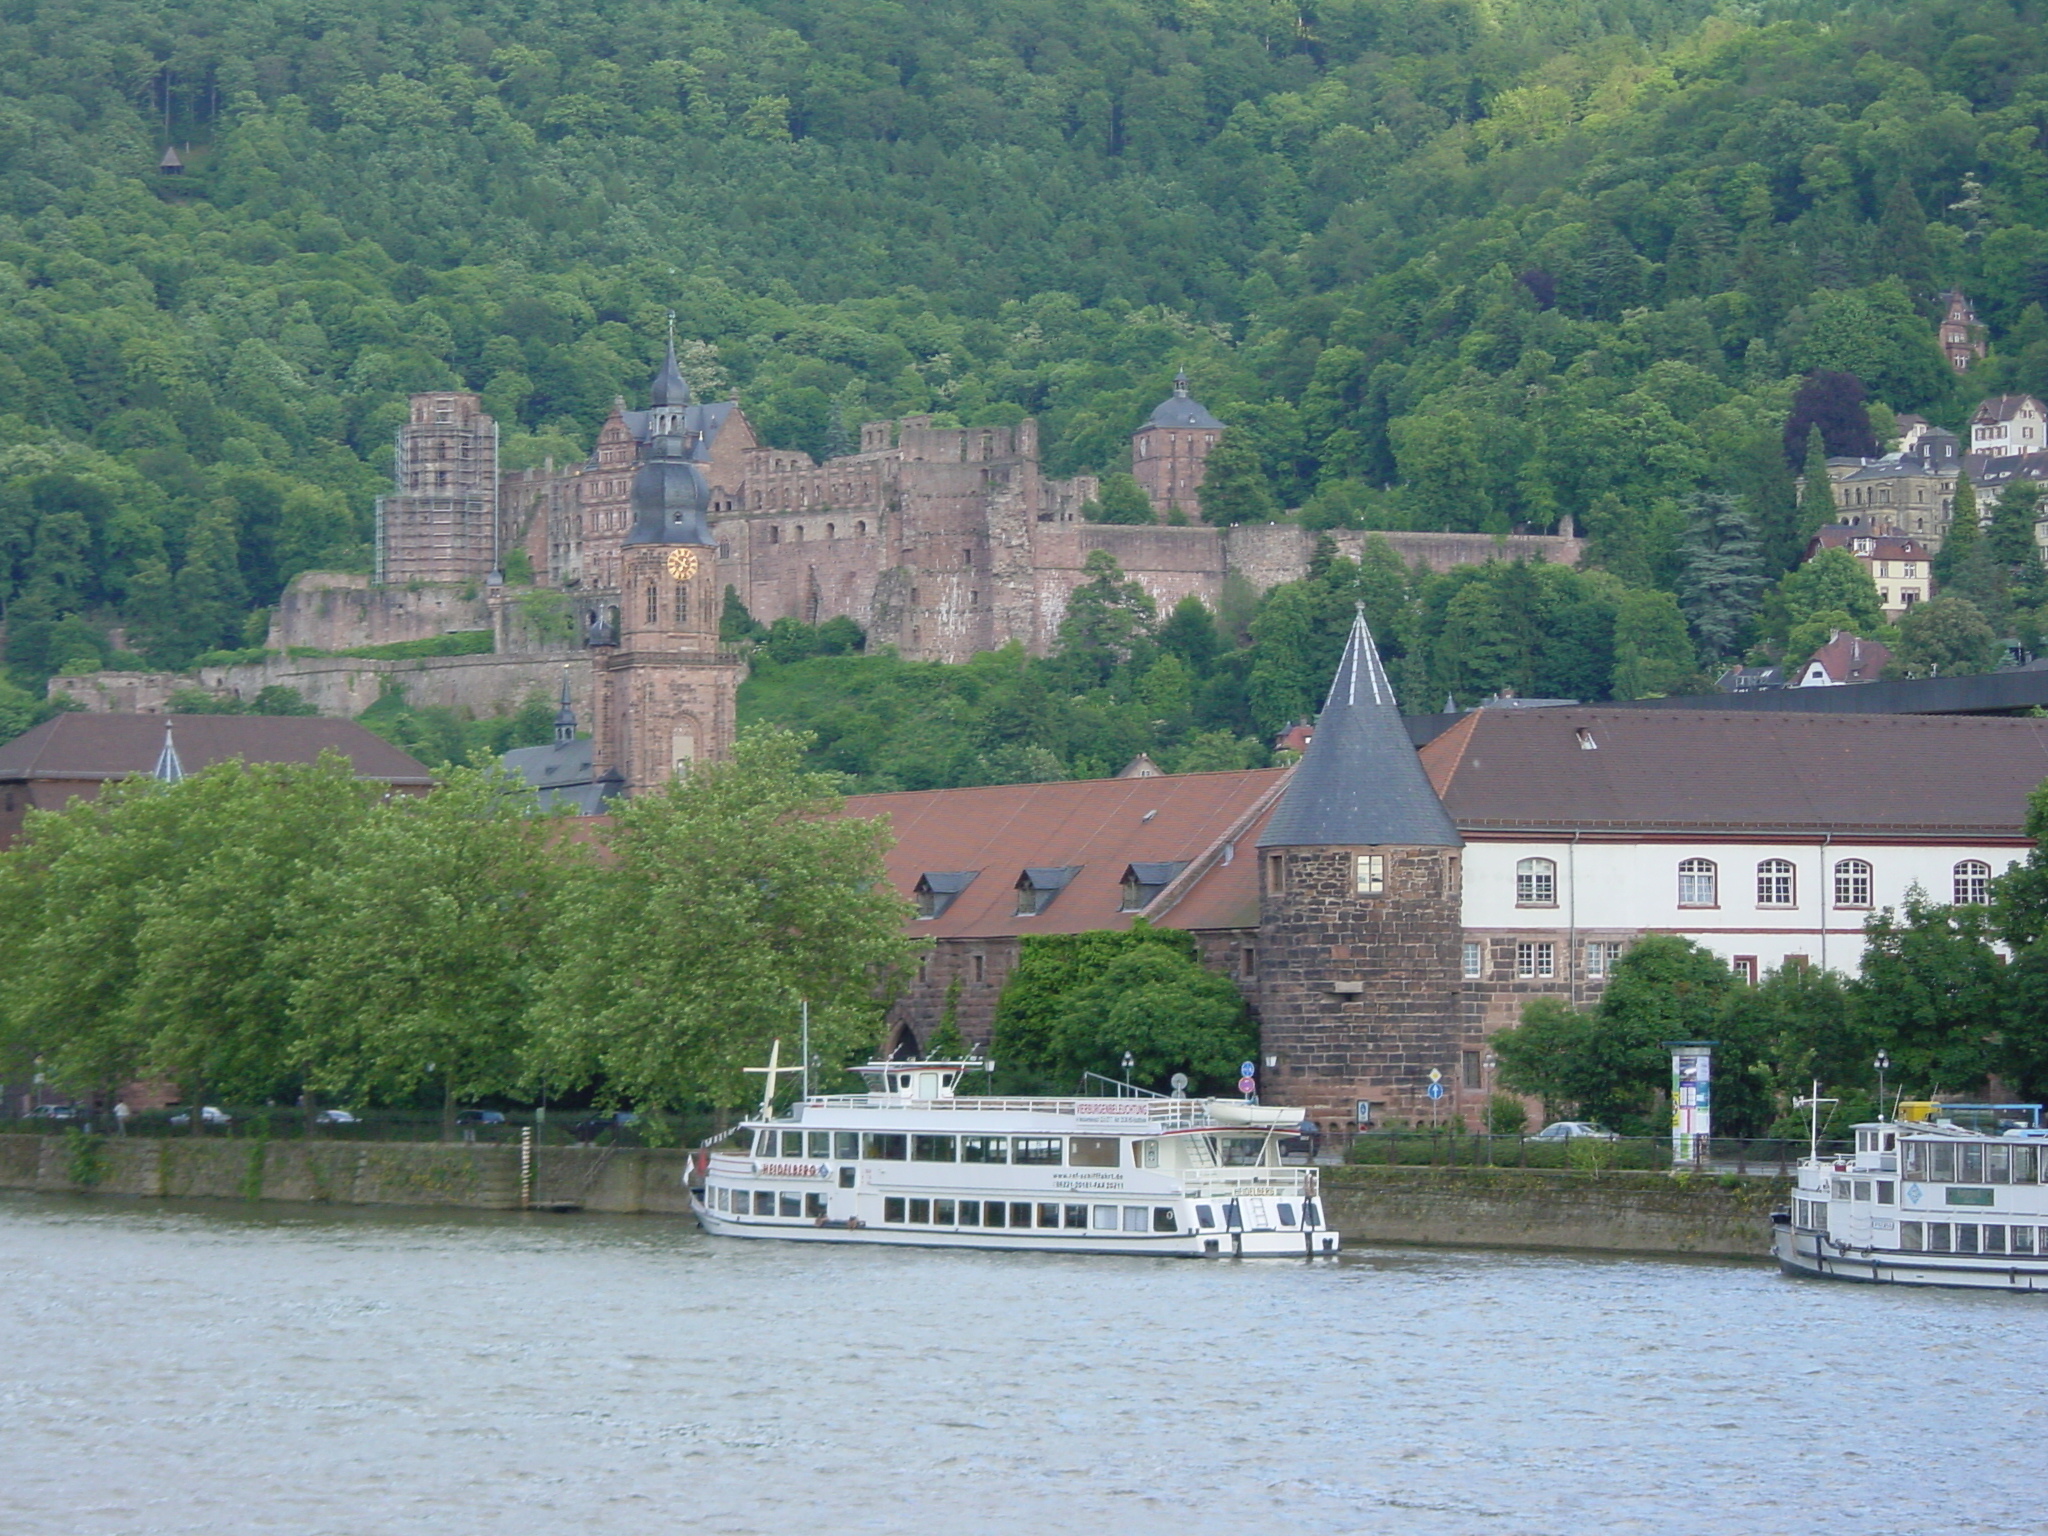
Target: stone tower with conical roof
[(1360, 905), (666, 692), (1169, 453)]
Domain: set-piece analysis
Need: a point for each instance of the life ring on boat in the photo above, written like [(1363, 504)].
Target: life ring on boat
[(699, 1161)]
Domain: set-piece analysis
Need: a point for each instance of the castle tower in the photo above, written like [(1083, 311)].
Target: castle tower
[(441, 523), (1169, 453), (1962, 336), (1360, 913), (665, 692)]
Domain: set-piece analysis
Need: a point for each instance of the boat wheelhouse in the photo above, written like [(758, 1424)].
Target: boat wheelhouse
[(1959, 1200), (913, 1162)]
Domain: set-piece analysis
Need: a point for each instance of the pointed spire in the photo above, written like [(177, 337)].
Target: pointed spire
[(565, 717), (669, 386), (168, 768), (1360, 783)]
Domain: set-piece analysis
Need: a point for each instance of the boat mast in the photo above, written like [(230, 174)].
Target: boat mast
[(771, 1072)]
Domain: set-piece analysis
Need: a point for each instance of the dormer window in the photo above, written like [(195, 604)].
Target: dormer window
[(1144, 882), (935, 890), (1036, 888)]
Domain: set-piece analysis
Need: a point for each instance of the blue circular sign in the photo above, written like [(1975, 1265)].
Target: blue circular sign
[(1436, 1090)]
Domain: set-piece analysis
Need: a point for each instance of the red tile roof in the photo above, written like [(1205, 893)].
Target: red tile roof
[(79, 746), (1100, 825)]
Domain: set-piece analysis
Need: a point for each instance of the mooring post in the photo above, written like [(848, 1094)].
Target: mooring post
[(525, 1167)]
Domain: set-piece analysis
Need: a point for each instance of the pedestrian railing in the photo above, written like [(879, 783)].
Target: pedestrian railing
[(1446, 1147)]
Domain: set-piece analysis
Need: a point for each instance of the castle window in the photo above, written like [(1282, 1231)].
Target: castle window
[(1535, 961), (831, 530), (967, 557), (1248, 962), (860, 530), (1372, 874), (1852, 883), (1973, 883), (653, 603), (774, 535), (799, 533), (1774, 883), (1475, 959), (1468, 1065), (980, 967), (1697, 883), (1276, 873), (1536, 883)]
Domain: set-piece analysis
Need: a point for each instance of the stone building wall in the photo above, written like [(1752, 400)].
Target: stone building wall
[(332, 611)]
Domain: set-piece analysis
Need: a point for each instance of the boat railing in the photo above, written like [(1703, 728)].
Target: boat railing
[(1152, 1114)]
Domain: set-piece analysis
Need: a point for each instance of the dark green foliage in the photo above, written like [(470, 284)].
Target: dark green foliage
[(1723, 573), (1830, 404), (1962, 566), (2010, 546), (735, 624), (438, 735), (1932, 993), (1235, 486), (1122, 501), (1945, 637)]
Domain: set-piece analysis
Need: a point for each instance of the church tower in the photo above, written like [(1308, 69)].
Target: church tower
[(666, 693), (1361, 921)]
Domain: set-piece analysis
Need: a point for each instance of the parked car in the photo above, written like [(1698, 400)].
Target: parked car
[(480, 1117), (208, 1115), (335, 1117), (587, 1131), (57, 1112), (1565, 1130)]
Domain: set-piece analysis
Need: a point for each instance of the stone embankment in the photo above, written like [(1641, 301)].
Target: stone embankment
[(1605, 1212)]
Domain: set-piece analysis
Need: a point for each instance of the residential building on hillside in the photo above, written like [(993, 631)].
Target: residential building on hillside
[(2004, 425), (1385, 924), (1845, 659), (1901, 492), (1902, 567), (76, 755), (1962, 335)]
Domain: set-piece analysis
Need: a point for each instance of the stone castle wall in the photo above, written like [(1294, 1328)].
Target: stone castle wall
[(334, 611), (343, 687)]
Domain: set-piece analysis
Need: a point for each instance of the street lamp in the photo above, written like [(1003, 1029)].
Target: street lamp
[(1884, 1062), (1130, 1065)]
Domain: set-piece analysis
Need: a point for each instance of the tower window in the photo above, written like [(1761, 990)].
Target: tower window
[(1276, 873), (1372, 874), (653, 603), (682, 605)]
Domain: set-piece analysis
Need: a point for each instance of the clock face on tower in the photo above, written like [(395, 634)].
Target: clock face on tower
[(682, 564)]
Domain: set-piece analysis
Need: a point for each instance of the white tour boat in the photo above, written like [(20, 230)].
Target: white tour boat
[(1957, 1200), (912, 1162)]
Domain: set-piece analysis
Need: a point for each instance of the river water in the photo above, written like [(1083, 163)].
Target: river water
[(217, 1368)]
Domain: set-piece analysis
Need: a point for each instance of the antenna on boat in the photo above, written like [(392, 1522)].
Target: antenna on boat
[(807, 1045), (771, 1072), (1812, 1106)]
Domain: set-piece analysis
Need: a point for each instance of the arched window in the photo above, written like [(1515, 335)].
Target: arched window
[(1774, 883), (1696, 883), (653, 603), (860, 530), (1973, 883), (1852, 883), (1536, 883)]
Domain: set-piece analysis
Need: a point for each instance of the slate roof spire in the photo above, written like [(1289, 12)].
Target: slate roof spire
[(168, 768), (565, 717), (669, 386), (1360, 784)]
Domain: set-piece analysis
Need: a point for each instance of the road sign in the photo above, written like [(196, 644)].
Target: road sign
[(1435, 1076), (1436, 1090), (1248, 1069), (1247, 1085), (1178, 1081)]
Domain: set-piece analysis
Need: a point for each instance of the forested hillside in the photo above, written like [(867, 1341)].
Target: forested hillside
[(1444, 263)]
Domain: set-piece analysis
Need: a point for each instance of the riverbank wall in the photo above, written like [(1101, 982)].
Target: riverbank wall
[(1605, 1212)]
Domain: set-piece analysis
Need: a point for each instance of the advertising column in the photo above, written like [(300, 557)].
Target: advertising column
[(1692, 1101)]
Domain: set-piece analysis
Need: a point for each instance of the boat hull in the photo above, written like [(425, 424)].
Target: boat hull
[(1315, 1243), (1812, 1254)]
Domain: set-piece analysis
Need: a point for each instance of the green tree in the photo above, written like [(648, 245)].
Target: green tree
[(1122, 501), (1932, 992), (1235, 487), (1164, 1010), (730, 897), (1051, 969), (1723, 573), (416, 961), (1945, 637), (1190, 633), (1108, 620), (1962, 566), (2010, 541), (1652, 652), (209, 591), (1816, 490)]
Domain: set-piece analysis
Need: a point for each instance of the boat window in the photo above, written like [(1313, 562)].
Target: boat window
[(764, 1202), (984, 1149), (1107, 1219), (934, 1149), (718, 1198), (1241, 1151), (1311, 1215), (1205, 1215), (970, 1213), (847, 1176), (1020, 1213), (1911, 1237), (1994, 1239), (1092, 1151), (1941, 1162), (2025, 1163), (1149, 1156), (1163, 1219), (892, 1208), (1916, 1159), (1286, 1213), (1970, 1165), (792, 1204), (792, 1143), (846, 1145), (764, 1143), (2022, 1239), (1841, 1189), (1048, 1216), (920, 1213), (1885, 1192), (818, 1144), (1966, 1237), (1937, 1237), (885, 1146), (942, 1213), (1134, 1218), (1077, 1216), (1891, 1141), (814, 1206), (1037, 1151), (1863, 1189), (1997, 1164), (992, 1214)]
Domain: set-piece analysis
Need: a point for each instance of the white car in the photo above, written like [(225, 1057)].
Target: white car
[(208, 1115), (335, 1117), (1565, 1130)]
